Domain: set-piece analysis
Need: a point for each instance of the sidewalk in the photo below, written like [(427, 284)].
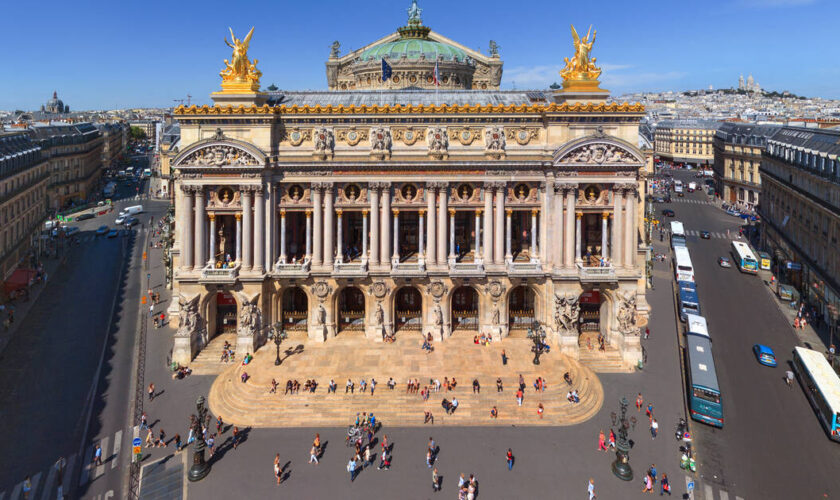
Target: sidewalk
[(817, 339)]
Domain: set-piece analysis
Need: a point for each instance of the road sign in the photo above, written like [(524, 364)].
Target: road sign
[(136, 442), (136, 450), (690, 486)]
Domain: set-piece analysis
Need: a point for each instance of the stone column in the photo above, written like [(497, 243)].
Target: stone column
[(508, 236), (317, 225), (557, 232), (308, 235), (604, 222), (571, 199), (431, 246), (534, 251), (478, 235), (247, 228), (374, 224), (452, 255), (630, 232), (339, 240), (395, 257), (385, 237), (329, 226), (499, 233), (187, 228), (488, 223), (283, 235), (443, 209), (364, 236), (547, 193), (270, 227), (616, 246), (421, 223), (200, 228), (238, 238), (259, 230), (211, 260), (578, 237)]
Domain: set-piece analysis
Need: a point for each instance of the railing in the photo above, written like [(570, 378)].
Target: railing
[(408, 267), (220, 274), (297, 267), (350, 267), (596, 274), (466, 267), (524, 267)]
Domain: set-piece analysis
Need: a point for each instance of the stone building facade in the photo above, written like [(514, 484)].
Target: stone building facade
[(114, 142), (738, 148), (800, 211), (685, 141), (24, 177), (409, 212)]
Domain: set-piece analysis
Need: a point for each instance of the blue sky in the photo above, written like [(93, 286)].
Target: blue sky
[(130, 54)]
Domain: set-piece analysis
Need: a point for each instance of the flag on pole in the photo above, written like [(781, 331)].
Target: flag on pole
[(436, 75), (386, 70)]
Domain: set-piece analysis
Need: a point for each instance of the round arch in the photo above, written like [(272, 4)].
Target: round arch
[(464, 308), (522, 308), (408, 309), (350, 309), (219, 309), (294, 309)]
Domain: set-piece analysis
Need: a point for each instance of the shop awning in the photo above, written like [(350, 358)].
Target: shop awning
[(19, 279)]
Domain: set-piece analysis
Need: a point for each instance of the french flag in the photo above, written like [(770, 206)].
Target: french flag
[(436, 75)]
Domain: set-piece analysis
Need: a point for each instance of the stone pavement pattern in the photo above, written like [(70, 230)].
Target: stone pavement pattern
[(352, 356)]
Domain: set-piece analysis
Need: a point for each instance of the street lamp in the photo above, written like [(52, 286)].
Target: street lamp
[(200, 468), (277, 335), (621, 465), (833, 315), (537, 335)]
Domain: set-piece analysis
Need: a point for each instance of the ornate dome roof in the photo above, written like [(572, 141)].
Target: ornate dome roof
[(55, 101), (411, 48)]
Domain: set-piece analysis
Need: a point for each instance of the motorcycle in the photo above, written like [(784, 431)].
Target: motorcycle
[(681, 433), (687, 459)]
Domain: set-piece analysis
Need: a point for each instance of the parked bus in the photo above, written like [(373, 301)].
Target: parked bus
[(688, 302), (744, 257), (821, 385), (677, 234), (683, 269), (704, 392), (697, 325)]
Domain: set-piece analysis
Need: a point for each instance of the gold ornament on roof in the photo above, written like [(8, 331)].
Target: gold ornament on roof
[(240, 73), (580, 66)]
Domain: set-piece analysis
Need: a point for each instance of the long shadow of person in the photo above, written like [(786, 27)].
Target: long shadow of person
[(287, 472), (323, 449)]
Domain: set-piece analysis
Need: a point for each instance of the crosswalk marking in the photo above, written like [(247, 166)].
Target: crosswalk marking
[(117, 447), (724, 495), (71, 468), (16, 491), (100, 469), (36, 479), (3, 496), (50, 484), (708, 491)]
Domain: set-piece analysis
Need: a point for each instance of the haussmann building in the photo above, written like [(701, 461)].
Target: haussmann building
[(412, 197)]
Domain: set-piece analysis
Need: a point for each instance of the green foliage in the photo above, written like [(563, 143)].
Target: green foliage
[(137, 133)]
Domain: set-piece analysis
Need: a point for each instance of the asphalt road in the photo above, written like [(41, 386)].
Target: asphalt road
[(772, 445)]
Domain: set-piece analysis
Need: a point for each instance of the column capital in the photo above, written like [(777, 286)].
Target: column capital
[(479, 211), (191, 189), (238, 216), (535, 211), (421, 212), (365, 212), (308, 213), (395, 211), (379, 184), (508, 212), (605, 215), (247, 188), (437, 184), (452, 212), (282, 212), (339, 212), (211, 216), (578, 215)]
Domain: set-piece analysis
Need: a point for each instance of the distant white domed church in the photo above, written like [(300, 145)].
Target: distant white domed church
[(750, 86)]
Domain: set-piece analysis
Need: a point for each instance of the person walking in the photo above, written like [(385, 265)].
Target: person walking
[(27, 486), (97, 455), (519, 396), (368, 457), (313, 455), (220, 424), (384, 462), (351, 468), (476, 386), (639, 402), (435, 480), (601, 444), (654, 428), (372, 385), (504, 357), (235, 437), (666, 485), (151, 391), (177, 440), (278, 471), (499, 387), (590, 488), (509, 459), (649, 411), (647, 332), (648, 484), (652, 472), (612, 439)]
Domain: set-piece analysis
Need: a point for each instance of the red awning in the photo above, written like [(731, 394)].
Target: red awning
[(19, 279), (591, 297)]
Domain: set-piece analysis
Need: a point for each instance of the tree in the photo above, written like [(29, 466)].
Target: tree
[(137, 133)]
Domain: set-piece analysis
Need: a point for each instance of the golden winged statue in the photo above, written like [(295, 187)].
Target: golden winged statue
[(240, 69), (580, 66)]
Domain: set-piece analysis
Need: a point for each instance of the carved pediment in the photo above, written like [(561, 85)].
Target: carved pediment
[(598, 154), (218, 154)]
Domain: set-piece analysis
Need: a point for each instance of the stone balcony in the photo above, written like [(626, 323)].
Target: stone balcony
[(292, 270), (596, 274), (524, 269), (408, 269), (210, 274), (357, 268), (475, 268)]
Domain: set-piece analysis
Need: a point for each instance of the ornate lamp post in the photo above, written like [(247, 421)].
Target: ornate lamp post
[(277, 335), (537, 335), (621, 465), (200, 468)]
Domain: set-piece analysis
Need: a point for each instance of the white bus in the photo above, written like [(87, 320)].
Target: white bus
[(697, 325), (821, 385), (683, 269), (678, 186), (744, 257), (677, 234)]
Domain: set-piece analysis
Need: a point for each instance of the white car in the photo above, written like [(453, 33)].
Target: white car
[(120, 219), (724, 262)]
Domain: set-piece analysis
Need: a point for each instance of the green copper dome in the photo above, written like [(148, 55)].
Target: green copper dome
[(412, 48)]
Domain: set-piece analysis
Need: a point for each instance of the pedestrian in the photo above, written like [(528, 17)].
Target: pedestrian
[(647, 332), (499, 387), (540, 410), (601, 444), (612, 439), (144, 421), (509, 458), (504, 357), (591, 489), (654, 428), (235, 437), (648, 484), (368, 456), (177, 440), (494, 413), (151, 391), (476, 387), (435, 480), (313, 455), (521, 382), (372, 385), (27, 486), (317, 443), (519, 397), (97, 455), (429, 458), (220, 424), (639, 402), (666, 486), (351, 468), (652, 472), (161, 439), (150, 439), (649, 411), (384, 462), (278, 472)]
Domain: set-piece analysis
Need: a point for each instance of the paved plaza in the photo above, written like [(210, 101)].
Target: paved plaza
[(351, 356)]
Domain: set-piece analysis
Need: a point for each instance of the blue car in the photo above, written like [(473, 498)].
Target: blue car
[(764, 355)]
